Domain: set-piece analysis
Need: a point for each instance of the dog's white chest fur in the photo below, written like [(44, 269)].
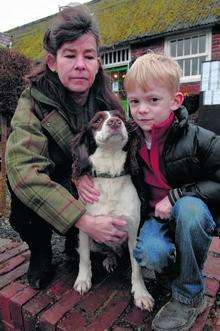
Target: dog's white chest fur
[(118, 196)]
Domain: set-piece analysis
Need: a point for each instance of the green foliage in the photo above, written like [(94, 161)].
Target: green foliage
[(13, 67)]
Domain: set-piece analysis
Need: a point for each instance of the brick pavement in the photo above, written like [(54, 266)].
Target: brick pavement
[(108, 306)]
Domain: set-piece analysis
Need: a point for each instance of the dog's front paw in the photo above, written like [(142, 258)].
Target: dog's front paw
[(144, 302), (82, 285), (143, 299)]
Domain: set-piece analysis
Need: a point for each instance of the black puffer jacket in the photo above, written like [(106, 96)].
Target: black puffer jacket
[(191, 162)]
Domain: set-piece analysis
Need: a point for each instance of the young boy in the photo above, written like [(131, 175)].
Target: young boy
[(181, 164), (182, 174)]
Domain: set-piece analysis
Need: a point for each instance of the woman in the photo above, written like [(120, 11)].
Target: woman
[(60, 100)]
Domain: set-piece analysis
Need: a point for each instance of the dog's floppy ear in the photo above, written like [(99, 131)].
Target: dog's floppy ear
[(82, 145), (132, 147)]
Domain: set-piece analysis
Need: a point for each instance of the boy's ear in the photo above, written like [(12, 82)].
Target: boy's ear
[(51, 62), (177, 100)]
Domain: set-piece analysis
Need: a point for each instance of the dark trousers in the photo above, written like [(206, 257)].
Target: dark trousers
[(34, 230)]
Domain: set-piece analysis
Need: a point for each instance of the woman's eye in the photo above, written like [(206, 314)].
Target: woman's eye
[(89, 57), (71, 56), (154, 99)]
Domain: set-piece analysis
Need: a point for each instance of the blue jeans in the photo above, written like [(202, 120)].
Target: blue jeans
[(182, 243)]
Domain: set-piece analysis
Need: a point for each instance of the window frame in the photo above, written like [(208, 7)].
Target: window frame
[(118, 62), (207, 53)]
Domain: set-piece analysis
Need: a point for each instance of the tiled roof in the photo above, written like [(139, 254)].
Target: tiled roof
[(128, 20)]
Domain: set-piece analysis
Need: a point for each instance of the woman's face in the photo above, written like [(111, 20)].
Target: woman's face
[(76, 63)]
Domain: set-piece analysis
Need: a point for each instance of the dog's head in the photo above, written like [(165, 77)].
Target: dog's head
[(107, 129)]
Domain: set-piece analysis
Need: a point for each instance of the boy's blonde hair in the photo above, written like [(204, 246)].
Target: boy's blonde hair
[(153, 67)]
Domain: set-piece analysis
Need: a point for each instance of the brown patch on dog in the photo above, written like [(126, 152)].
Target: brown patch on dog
[(98, 120)]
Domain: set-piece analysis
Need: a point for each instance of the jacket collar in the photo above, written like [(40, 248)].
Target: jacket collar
[(182, 117), (39, 96)]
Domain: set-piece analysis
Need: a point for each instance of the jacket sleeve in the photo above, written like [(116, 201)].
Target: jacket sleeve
[(28, 165), (207, 187)]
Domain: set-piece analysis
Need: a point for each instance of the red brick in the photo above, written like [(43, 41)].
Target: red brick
[(211, 287), (9, 265), (52, 316), (215, 245), (113, 310), (31, 310), (156, 46), (216, 56), (16, 305), (6, 326), (212, 267), (43, 302), (190, 88), (201, 320), (5, 296), (136, 316), (12, 252), (216, 47), (212, 318), (119, 328), (59, 287), (76, 322), (101, 293), (216, 321), (13, 275)]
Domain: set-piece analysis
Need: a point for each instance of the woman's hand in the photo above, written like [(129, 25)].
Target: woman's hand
[(103, 229), (86, 189), (163, 208)]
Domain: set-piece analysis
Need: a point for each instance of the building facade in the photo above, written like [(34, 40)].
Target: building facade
[(189, 42), (188, 30)]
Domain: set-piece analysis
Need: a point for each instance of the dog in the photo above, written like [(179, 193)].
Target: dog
[(107, 137)]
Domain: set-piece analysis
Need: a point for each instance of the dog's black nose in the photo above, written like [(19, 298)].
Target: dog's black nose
[(114, 123)]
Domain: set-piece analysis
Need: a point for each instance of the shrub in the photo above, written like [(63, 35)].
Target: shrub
[(13, 68)]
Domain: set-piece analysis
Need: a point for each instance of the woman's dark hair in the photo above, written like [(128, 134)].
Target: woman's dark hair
[(70, 24)]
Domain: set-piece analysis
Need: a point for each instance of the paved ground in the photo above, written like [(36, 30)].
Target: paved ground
[(108, 306)]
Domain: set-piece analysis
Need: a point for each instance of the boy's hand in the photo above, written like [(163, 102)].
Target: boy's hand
[(163, 208), (86, 189)]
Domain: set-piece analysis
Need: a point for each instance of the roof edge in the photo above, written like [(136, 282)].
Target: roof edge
[(143, 38), (31, 23)]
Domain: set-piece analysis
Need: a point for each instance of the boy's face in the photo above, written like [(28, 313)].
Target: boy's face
[(152, 106)]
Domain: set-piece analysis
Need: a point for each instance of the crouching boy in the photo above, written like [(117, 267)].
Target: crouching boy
[(181, 164)]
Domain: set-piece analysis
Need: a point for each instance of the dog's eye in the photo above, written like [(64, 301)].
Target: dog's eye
[(98, 120)]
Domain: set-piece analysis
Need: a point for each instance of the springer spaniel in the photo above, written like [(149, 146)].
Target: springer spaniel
[(107, 137)]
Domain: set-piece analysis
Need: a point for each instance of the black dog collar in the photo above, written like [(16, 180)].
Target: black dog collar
[(107, 175)]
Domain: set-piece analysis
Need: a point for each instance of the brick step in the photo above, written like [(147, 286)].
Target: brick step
[(108, 305)]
